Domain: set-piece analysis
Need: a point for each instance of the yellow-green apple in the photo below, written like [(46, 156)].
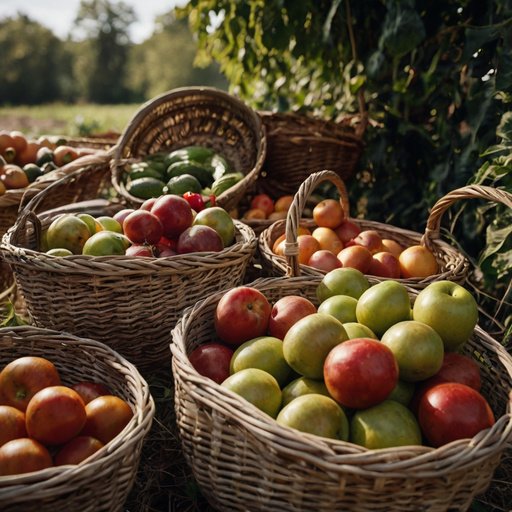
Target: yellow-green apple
[(303, 386), (218, 219), (342, 281), (341, 307), (357, 330)]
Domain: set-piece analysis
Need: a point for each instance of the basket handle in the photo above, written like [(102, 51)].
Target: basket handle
[(432, 230), (291, 246)]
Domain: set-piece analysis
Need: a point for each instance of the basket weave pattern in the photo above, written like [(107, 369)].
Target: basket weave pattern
[(195, 116), (104, 481), (243, 460)]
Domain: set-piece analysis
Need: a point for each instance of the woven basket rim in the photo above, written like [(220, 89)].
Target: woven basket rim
[(137, 426), (336, 455)]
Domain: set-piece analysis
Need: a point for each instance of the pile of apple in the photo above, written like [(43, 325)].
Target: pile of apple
[(161, 227), (263, 207), (23, 160), (44, 423), (366, 366), (338, 242)]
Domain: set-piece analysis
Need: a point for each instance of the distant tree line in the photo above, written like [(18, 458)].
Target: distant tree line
[(98, 63)]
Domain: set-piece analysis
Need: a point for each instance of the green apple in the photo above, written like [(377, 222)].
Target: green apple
[(303, 386), (315, 414), (308, 341), (449, 309), (385, 425), (383, 305), (342, 281), (265, 353), (342, 307), (257, 387), (417, 348), (110, 224), (218, 219), (403, 392), (357, 330), (106, 243)]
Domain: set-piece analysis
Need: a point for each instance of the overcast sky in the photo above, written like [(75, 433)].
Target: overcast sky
[(58, 15)]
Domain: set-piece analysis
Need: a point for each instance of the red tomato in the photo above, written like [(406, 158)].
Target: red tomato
[(106, 417), (23, 455), (451, 411), (12, 424), (89, 390), (195, 201), (77, 449), (55, 415), (22, 378)]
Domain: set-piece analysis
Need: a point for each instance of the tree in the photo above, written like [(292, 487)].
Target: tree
[(105, 26)]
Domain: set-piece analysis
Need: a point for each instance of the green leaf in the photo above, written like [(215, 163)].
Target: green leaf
[(11, 319), (476, 37), (403, 30)]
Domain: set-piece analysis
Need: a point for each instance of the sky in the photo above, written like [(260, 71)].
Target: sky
[(58, 15)]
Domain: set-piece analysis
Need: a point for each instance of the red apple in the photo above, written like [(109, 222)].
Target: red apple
[(212, 360), (384, 264), (263, 202), (369, 239), (242, 313), (139, 250), (122, 214), (347, 230), (174, 213), (360, 373), (199, 238), (89, 390), (355, 256), (142, 227), (324, 260), (286, 312), (148, 203), (451, 411)]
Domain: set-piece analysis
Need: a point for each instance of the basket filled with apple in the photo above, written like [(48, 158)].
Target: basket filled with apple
[(191, 139), (74, 415), (338, 392), (332, 239), (123, 275)]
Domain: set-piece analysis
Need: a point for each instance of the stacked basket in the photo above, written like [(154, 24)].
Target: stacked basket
[(103, 481), (243, 460)]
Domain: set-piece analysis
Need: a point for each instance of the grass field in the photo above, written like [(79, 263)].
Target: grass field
[(65, 119)]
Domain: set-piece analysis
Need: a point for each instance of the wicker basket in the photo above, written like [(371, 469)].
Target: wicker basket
[(243, 460), (452, 263), (194, 116), (105, 479), (129, 303)]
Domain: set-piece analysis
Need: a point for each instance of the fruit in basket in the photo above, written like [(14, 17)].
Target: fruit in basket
[(225, 182), (93, 225), (315, 414), (417, 348), (403, 392), (68, 232), (308, 244), (254, 214), (451, 411), (328, 213), (23, 455), (145, 188), (64, 154), (89, 390), (265, 353), (370, 239), (283, 203), (77, 449), (108, 223), (356, 256), (342, 281), (198, 238), (12, 424), (142, 251), (327, 239), (142, 226), (218, 219), (106, 417), (286, 311), (55, 415), (14, 177), (308, 342), (264, 203), (257, 387), (122, 214), (385, 425), (384, 264), (174, 213), (448, 308), (212, 360), (303, 386), (183, 183), (383, 305), (357, 330), (23, 377), (392, 246), (360, 373), (241, 314), (417, 261), (59, 252), (341, 307), (106, 243), (324, 260)]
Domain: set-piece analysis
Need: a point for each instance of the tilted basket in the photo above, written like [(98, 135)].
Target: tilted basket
[(243, 460), (202, 116), (103, 481), (129, 303), (453, 265)]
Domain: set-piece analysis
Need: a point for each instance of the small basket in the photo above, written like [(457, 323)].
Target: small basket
[(129, 303), (104, 480), (453, 265), (194, 116), (243, 460)]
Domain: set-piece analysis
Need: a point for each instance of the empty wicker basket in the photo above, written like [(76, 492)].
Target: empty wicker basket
[(103, 481)]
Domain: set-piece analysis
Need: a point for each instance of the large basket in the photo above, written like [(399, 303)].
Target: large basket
[(453, 265), (103, 481), (129, 303), (243, 460), (194, 116)]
